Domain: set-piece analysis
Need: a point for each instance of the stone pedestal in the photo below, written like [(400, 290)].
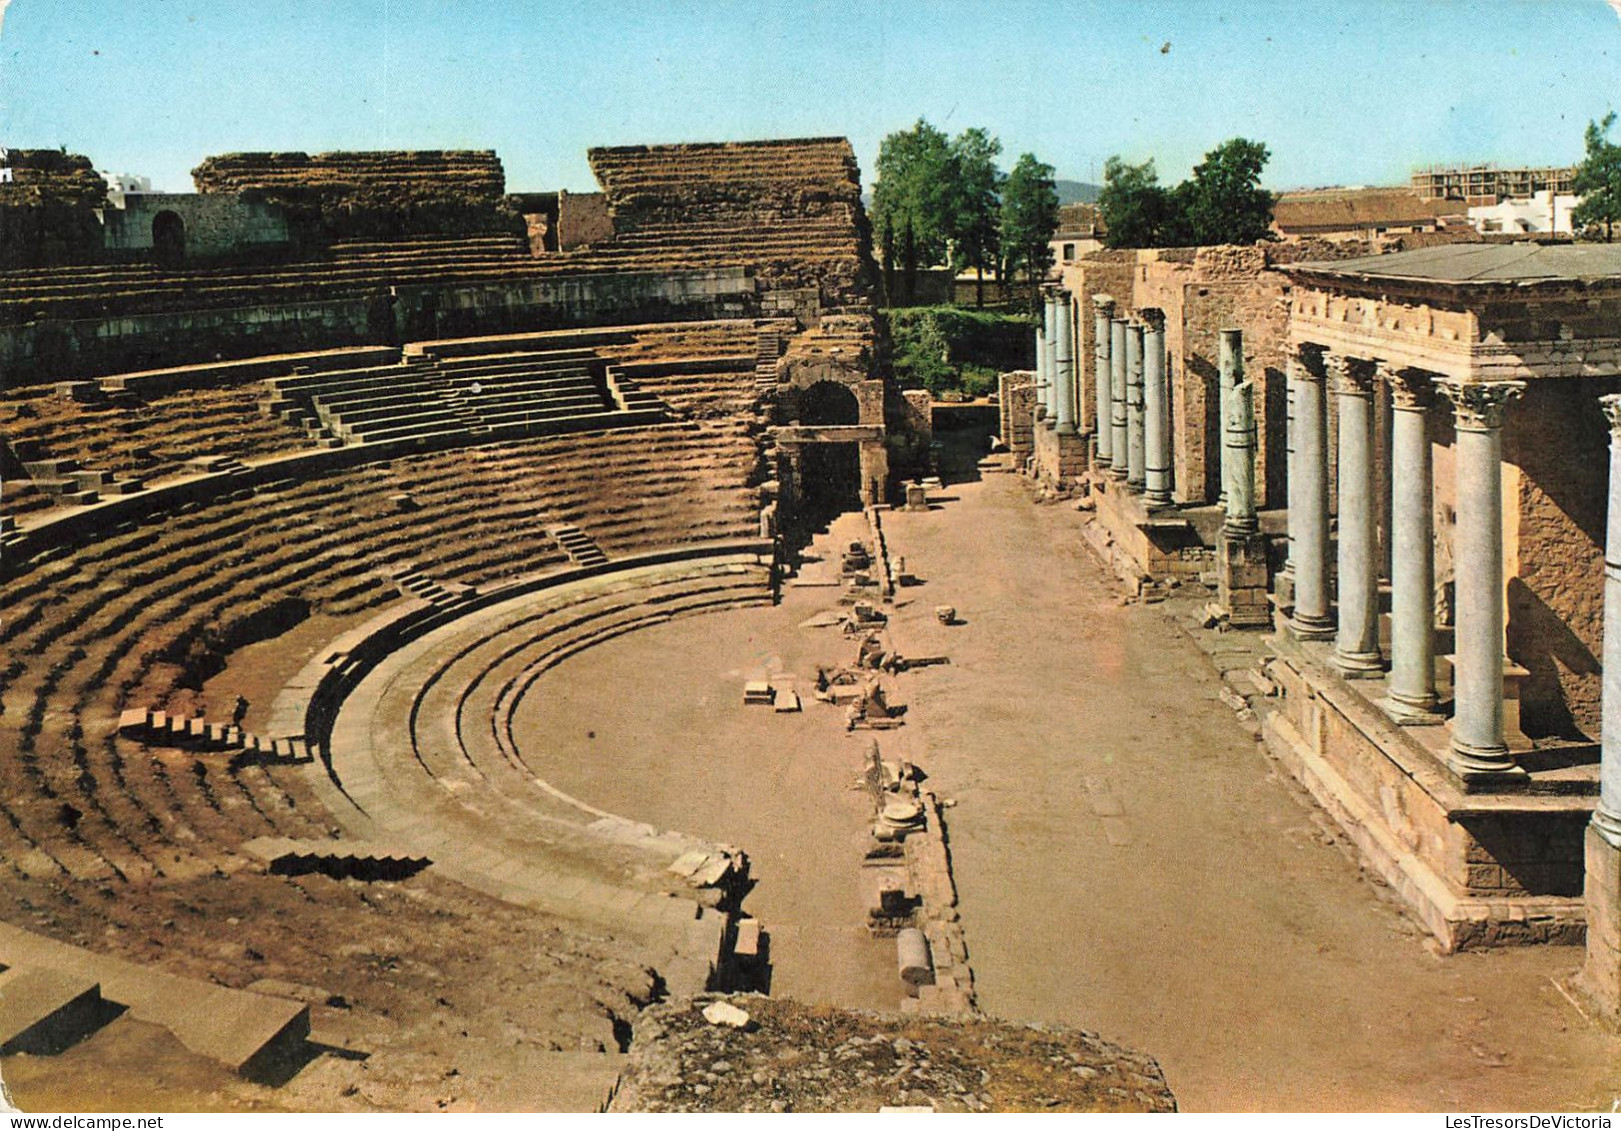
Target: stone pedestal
[(1241, 580)]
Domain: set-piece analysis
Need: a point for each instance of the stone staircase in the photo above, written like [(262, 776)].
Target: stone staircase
[(70, 483), (767, 354), (582, 551), (340, 859), (412, 582), (158, 728)]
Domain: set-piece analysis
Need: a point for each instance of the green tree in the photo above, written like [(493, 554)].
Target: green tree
[(913, 195), (1598, 180), (1029, 218), (975, 199), (1226, 203), (1133, 205)]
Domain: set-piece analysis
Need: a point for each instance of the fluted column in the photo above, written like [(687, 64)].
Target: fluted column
[(1157, 411), (1136, 450), (1477, 717), (1102, 316), (1356, 647), (1412, 698), (1064, 362), (1308, 496), (1117, 398), (1607, 816)]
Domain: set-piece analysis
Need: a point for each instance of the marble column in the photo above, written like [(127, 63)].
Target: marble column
[(1117, 398), (1308, 496), (1049, 375), (1064, 362), (1607, 816), (1136, 437), (1356, 647), (1041, 365), (1238, 459), (1412, 697), (1477, 714), (1229, 372), (1102, 317), (1157, 411)]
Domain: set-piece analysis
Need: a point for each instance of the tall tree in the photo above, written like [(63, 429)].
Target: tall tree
[(1029, 217), (1133, 205), (976, 188), (1226, 203), (913, 194), (1598, 180)]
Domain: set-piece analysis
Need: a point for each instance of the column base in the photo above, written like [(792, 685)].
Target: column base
[(1358, 665), (1067, 430), (1408, 714), (1118, 474), (1305, 627), (1599, 982), (1158, 500), (1134, 485), (1474, 763)]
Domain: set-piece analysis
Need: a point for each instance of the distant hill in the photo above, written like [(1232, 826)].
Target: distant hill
[(1077, 192)]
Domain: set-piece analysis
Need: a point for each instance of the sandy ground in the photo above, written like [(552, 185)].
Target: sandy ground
[(1127, 859)]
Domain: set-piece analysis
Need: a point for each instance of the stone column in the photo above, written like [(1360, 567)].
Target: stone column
[(1412, 698), (1049, 375), (1356, 647), (1136, 436), (1477, 715), (1157, 411), (1308, 497), (1102, 316), (1117, 398), (1064, 362), (1601, 974), (1607, 816), (1238, 458), (1229, 372), (1041, 365)]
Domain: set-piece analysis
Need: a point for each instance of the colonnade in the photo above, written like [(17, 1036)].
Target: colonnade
[(1131, 387), (1477, 743)]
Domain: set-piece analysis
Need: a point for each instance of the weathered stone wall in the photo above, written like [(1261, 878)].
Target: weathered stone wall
[(582, 219), (1016, 402), (1559, 441), (215, 225), (372, 194), (47, 211)]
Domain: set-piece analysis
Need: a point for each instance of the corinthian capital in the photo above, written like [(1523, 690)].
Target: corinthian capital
[(1352, 376), (1410, 389), (1612, 411), (1478, 406)]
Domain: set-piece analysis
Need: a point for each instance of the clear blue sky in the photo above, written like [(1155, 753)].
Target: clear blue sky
[(1350, 92)]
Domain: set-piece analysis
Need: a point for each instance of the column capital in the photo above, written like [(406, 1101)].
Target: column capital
[(1311, 358), (1060, 293), (1478, 406), (1153, 317), (1104, 305), (1353, 376), (1611, 406), (1411, 390)]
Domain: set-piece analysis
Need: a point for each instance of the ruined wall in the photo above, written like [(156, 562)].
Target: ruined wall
[(47, 211), (582, 218), (215, 225), (791, 209), (371, 195)]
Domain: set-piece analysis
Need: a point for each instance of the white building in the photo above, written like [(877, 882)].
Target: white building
[(1543, 212)]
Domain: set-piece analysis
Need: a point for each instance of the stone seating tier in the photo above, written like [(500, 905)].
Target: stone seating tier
[(114, 622)]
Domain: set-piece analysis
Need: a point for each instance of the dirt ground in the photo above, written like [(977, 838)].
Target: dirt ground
[(1127, 858)]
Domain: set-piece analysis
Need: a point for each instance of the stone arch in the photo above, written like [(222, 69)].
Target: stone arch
[(168, 237), (829, 402)]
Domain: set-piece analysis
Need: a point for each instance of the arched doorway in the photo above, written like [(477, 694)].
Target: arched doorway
[(829, 482), (168, 238), (828, 402)]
